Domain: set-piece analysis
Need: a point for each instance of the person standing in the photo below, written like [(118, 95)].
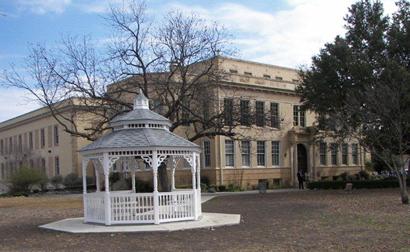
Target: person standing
[(300, 179)]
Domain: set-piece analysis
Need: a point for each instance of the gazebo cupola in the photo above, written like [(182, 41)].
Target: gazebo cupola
[(140, 139)]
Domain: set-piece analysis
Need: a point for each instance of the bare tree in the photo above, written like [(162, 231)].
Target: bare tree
[(174, 61)]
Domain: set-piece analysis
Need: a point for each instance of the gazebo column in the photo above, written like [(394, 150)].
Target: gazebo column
[(84, 173), (155, 183), (97, 179), (174, 166), (133, 180), (107, 198), (195, 194), (198, 178)]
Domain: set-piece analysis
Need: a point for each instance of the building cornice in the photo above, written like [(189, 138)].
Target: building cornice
[(257, 88)]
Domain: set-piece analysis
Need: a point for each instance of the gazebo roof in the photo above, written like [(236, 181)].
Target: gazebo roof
[(140, 129), (139, 138), (140, 115)]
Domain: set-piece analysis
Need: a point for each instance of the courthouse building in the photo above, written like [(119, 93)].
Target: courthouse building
[(270, 148)]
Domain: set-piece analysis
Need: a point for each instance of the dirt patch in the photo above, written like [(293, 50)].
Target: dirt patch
[(365, 220)]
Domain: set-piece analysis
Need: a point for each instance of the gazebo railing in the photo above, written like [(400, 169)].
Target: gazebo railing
[(138, 208), (132, 208), (95, 211), (176, 206)]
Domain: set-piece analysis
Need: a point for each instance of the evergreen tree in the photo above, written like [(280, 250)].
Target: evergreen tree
[(360, 84)]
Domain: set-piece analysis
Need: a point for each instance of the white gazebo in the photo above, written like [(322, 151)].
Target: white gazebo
[(140, 140)]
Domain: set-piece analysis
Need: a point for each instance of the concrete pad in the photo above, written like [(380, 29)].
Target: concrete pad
[(207, 220), (206, 198)]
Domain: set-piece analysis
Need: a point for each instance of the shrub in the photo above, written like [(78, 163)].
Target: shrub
[(143, 186), (205, 180), (368, 165), (326, 185), (24, 179), (212, 189), (344, 176), (359, 184), (56, 180), (204, 187), (233, 188), (114, 177), (364, 175), (221, 188), (72, 181), (140, 185)]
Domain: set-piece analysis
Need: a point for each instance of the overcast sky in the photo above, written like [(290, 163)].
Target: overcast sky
[(279, 32)]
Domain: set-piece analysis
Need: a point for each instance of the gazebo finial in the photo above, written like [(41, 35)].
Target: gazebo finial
[(141, 101)]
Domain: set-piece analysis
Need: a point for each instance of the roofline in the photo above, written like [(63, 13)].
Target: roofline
[(34, 114), (213, 58), (257, 63)]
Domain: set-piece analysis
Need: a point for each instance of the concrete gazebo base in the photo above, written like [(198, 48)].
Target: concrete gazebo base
[(207, 220)]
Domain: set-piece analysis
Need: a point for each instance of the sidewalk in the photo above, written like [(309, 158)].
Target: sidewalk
[(251, 192)]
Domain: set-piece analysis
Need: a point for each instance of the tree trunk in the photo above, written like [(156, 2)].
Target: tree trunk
[(403, 190), (163, 178)]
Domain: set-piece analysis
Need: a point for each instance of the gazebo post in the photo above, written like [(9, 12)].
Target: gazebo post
[(174, 164), (133, 180), (107, 199), (198, 178), (193, 171), (155, 183), (97, 179), (84, 173)]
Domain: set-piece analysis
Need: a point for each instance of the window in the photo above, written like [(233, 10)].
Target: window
[(334, 150), (355, 154), (233, 71), (185, 113), (298, 116), (205, 109), (323, 152), (302, 119), (43, 165), (31, 163), (245, 119), (229, 153), (260, 153), (2, 171), (10, 145), (275, 153), (11, 168), (345, 150), (56, 136), (42, 138), (57, 165), (260, 113), (207, 153), (246, 153), (1, 147), (228, 110), (274, 115), (20, 146), (295, 80), (278, 78), (266, 76), (247, 73), (30, 140)]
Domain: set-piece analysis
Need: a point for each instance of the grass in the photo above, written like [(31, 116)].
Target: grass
[(364, 220)]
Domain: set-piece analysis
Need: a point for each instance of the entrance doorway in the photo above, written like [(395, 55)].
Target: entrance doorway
[(302, 159)]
